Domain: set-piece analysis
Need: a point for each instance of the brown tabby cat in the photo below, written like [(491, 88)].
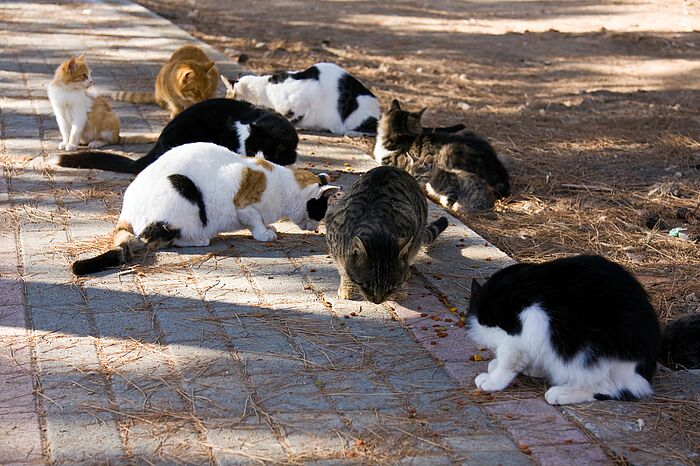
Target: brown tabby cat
[(188, 77), (82, 117)]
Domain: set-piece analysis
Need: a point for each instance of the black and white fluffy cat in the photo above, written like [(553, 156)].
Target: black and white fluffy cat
[(457, 167), (322, 97), (584, 323), (196, 191), (239, 126)]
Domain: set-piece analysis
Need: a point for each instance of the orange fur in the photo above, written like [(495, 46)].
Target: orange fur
[(187, 78)]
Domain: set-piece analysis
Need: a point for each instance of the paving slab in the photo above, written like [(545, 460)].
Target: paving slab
[(238, 353)]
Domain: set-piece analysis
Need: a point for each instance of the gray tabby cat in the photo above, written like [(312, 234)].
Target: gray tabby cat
[(375, 231), (454, 165)]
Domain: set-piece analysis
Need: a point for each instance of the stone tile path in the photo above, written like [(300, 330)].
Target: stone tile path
[(239, 353)]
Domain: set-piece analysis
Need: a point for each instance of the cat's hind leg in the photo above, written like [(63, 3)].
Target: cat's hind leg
[(97, 143), (565, 394), (510, 362)]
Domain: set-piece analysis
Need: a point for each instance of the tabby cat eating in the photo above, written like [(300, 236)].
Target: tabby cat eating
[(458, 167), (196, 191), (375, 231)]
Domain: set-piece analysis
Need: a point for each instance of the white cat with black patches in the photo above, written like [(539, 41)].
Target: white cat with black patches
[(322, 97), (583, 323), (195, 191)]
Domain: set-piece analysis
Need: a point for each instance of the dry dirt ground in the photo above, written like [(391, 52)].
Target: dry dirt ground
[(596, 105)]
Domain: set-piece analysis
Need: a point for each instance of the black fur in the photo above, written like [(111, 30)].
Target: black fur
[(112, 258), (680, 347), (281, 76), (349, 89), (191, 192), (213, 121), (367, 126), (591, 302), (159, 232)]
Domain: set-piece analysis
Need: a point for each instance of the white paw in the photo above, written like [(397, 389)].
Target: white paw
[(95, 144), (61, 145), (71, 146), (561, 395), (493, 364), (486, 381), (265, 235)]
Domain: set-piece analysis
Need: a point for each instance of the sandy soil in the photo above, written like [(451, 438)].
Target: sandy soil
[(596, 105)]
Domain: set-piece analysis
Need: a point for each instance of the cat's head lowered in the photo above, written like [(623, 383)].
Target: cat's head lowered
[(74, 73), (249, 88), (195, 79), (311, 204), (378, 264)]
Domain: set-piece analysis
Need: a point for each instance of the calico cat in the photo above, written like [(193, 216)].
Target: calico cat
[(456, 166), (82, 117), (582, 322), (196, 191), (188, 77), (239, 126), (322, 97), (680, 345), (375, 231)]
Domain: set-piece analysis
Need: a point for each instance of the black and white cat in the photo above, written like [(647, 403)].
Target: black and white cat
[(239, 126), (196, 191), (584, 323), (322, 97)]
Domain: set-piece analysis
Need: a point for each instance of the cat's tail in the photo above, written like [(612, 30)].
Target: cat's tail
[(134, 97), (145, 138), (680, 343), (125, 245), (434, 229), (98, 159)]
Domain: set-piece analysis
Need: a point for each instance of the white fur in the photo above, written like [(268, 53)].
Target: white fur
[(243, 133), (315, 101), (531, 352), (217, 172), (71, 104), (381, 152)]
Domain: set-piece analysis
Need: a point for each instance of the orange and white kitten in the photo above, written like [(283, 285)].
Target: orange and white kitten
[(83, 117), (188, 77)]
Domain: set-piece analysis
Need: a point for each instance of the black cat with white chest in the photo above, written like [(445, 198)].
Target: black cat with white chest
[(238, 126), (584, 323)]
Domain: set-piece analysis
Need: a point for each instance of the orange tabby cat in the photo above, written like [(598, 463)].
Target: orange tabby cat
[(82, 117), (188, 77)]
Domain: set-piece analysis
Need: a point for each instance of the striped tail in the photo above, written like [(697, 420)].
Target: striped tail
[(134, 97), (434, 229), (146, 138), (98, 159)]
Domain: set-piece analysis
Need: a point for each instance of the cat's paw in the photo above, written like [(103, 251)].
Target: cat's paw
[(61, 145), (489, 383), (96, 144), (265, 235), (70, 146), (345, 292), (562, 395)]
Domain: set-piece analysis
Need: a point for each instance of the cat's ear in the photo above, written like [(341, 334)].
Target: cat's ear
[(208, 65), (229, 83), (185, 74), (476, 289), (325, 178), (395, 105), (404, 245), (71, 66), (420, 112), (328, 190), (80, 57), (358, 248)]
